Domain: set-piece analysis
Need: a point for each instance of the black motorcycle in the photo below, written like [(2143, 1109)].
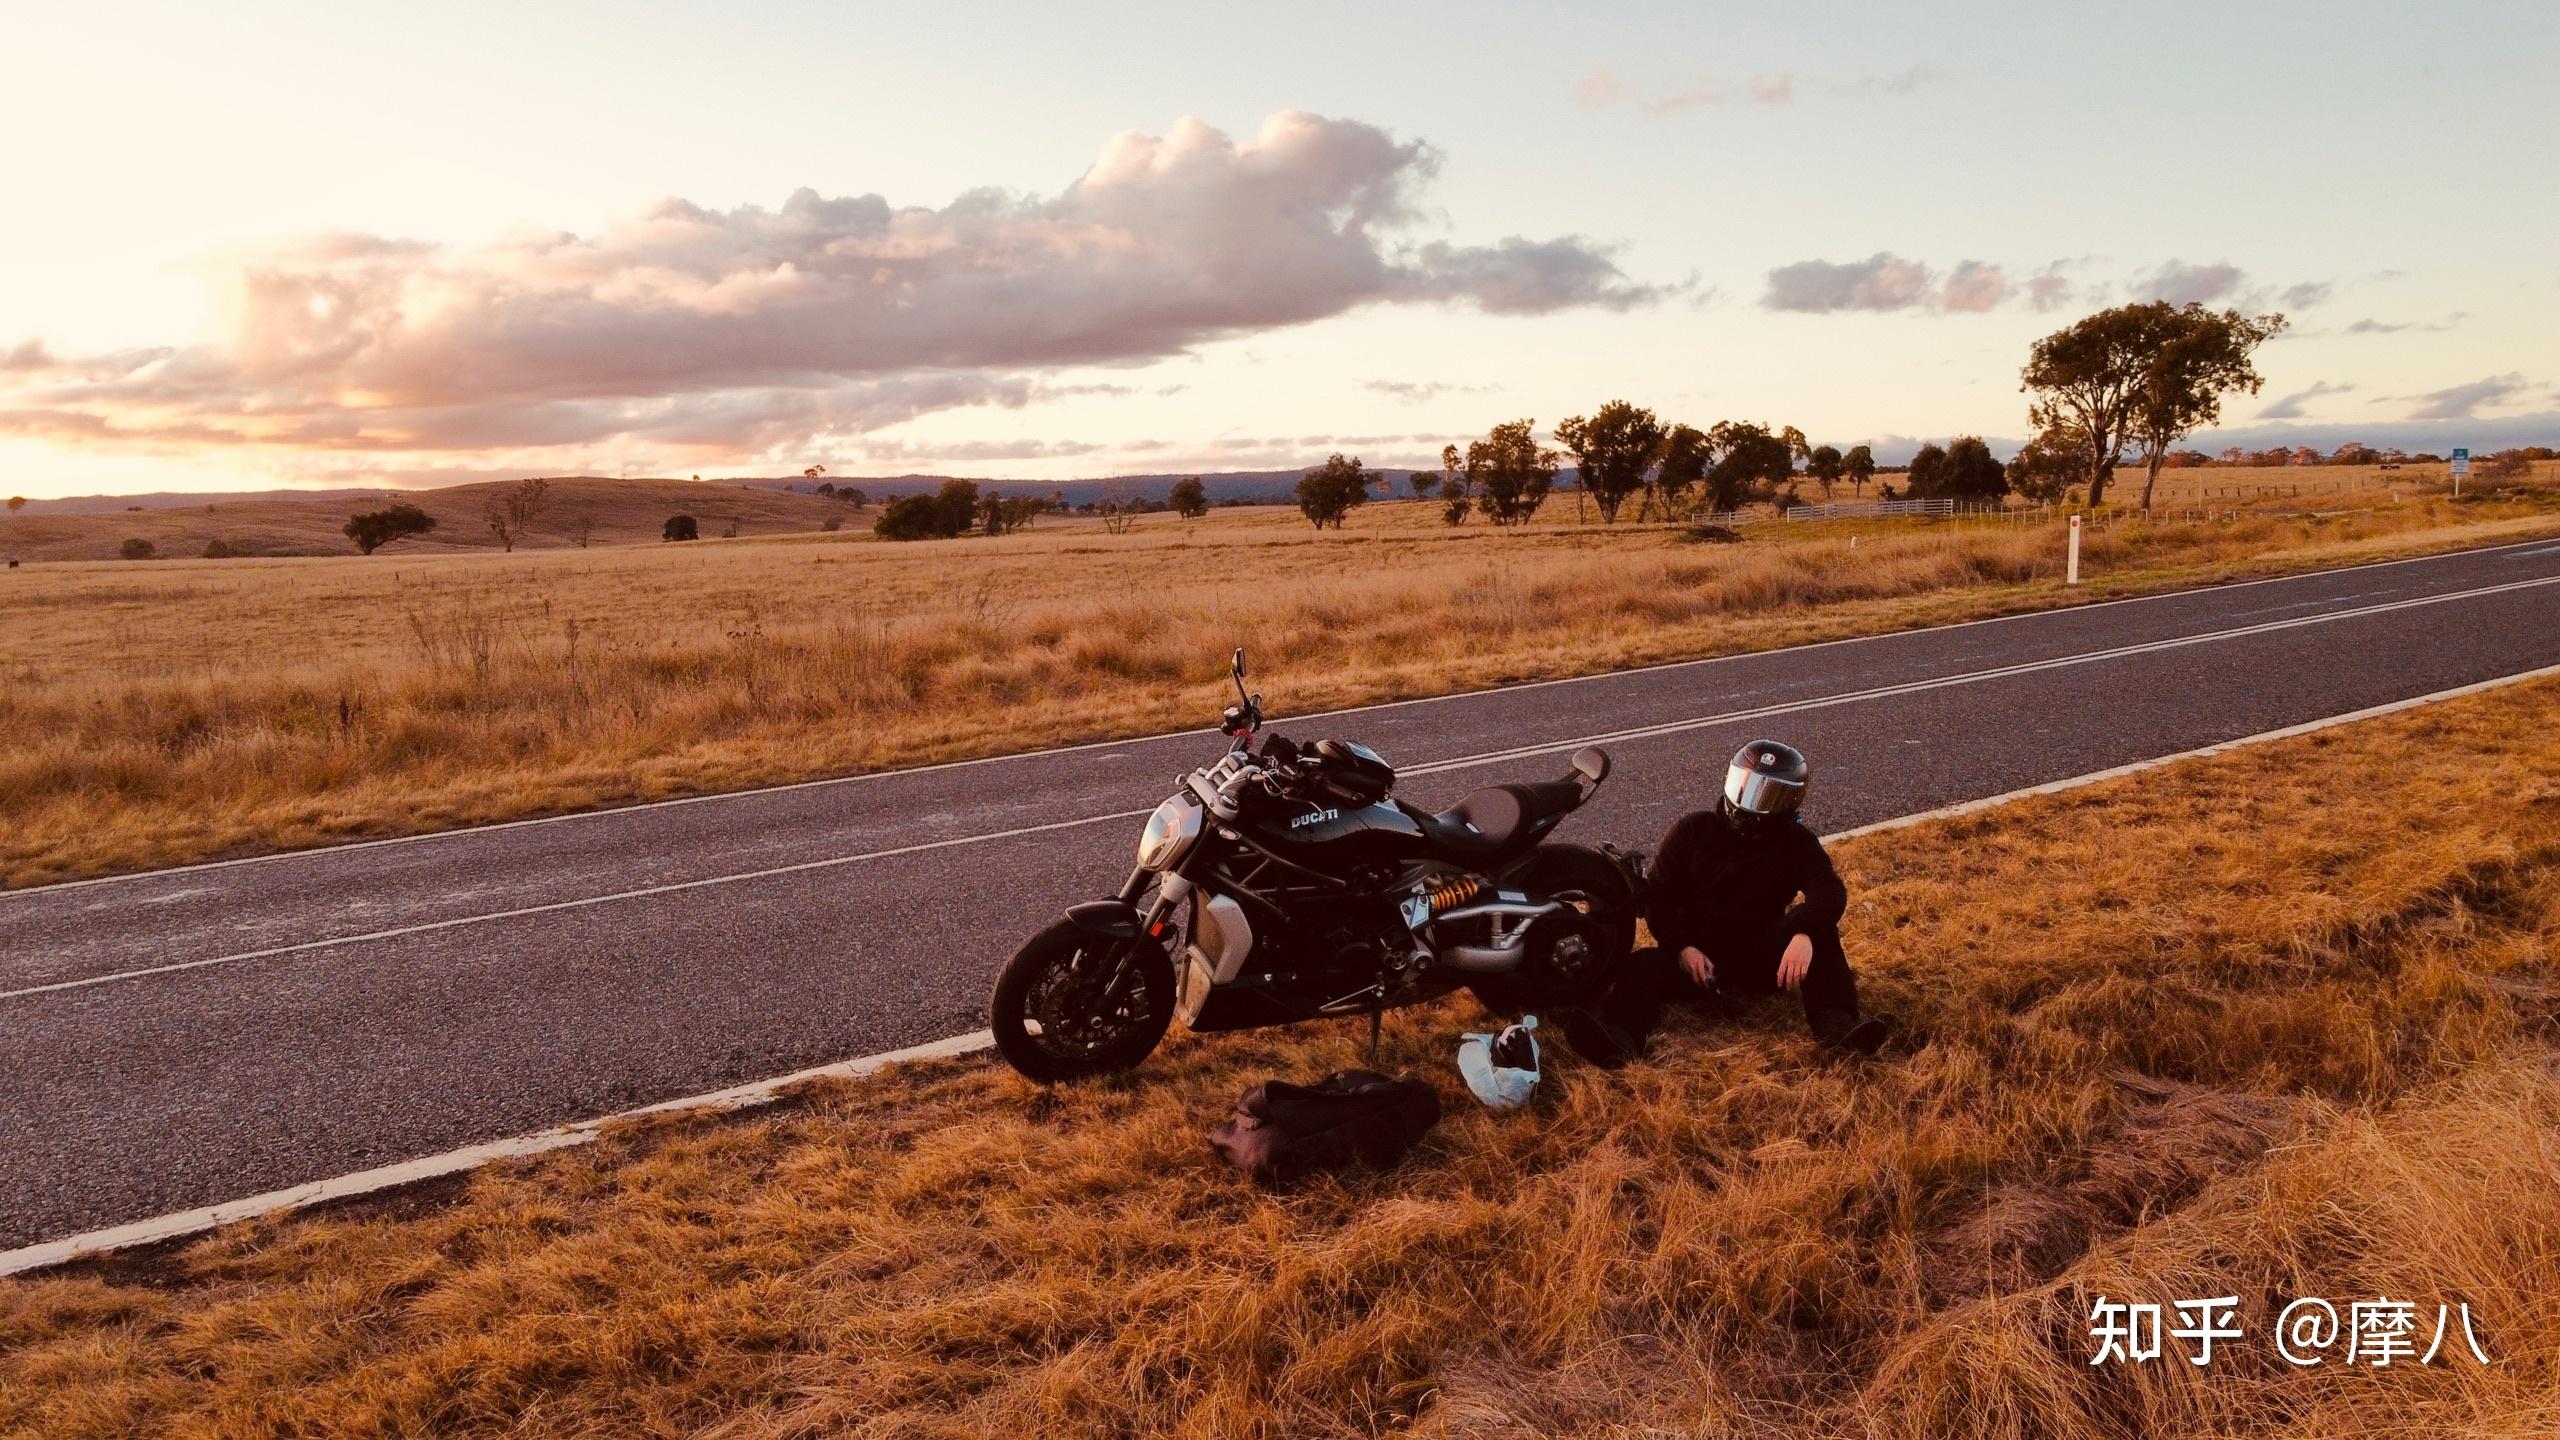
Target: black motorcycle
[(1294, 885)]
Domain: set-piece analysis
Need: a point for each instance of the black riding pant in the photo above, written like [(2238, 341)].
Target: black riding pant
[(1746, 965)]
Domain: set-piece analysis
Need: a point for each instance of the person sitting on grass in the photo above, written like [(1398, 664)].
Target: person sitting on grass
[(1742, 901)]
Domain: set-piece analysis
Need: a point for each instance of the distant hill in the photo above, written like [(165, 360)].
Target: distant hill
[(293, 522), (1225, 487)]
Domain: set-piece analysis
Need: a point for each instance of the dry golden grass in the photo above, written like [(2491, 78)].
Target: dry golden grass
[(177, 711), (2276, 1024), (2308, 485), (618, 512)]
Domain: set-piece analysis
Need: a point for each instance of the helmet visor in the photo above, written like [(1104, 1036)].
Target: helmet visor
[(1748, 790)]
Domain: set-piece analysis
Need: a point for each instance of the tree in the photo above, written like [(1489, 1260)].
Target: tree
[(1510, 472), (509, 513), (2085, 380), (1326, 496), (1453, 500), (1423, 483), (1002, 514), (1925, 467), (2198, 356), (2046, 467), (955, 507), (376, 528), (138, 548), (17, 503), (1825, 464), (813, 472), (218, 548), (1860, 466), (2507, 465), (1612, 451), (909, 517), (1967, 470), (1681, 464), (1749, 459), (680, 527), (583, 525), (1189, 498)]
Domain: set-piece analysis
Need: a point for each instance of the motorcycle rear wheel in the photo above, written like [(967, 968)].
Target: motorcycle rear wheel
[(1606, 905), (1071, 1004)]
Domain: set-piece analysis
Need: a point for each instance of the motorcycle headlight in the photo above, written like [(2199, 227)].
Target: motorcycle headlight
[(1169, 834)]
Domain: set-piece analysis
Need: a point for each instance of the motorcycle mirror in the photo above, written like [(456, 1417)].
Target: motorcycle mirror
[(1237, 663), (1592, 764), (1235, 669)]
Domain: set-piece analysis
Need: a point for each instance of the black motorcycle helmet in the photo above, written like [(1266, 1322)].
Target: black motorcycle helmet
[(1765, 782)]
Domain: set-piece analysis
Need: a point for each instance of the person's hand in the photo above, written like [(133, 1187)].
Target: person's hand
[(1797, 960), (1700, 968)]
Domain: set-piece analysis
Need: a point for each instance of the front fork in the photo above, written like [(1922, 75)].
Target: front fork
[(1153, 921)]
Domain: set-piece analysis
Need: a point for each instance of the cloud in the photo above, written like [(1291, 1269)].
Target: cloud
[(1601, 88), (1414, 392), (2463, 402), (2289, 407), (1886, 281), (2048, 289), (1598, 89), (1523, 277), (2180, 283), (2222, 283), (1898, 82), (753, 327), (1974, 287), (2391, 327), (1882, 281)]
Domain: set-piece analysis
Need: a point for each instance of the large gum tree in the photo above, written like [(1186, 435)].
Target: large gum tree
[(2136, 373)]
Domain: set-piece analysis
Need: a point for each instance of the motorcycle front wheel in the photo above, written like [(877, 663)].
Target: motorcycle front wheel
[(1071, 1004)]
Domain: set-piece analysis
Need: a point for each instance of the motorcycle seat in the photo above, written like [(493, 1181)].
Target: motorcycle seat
[(1490, 819)]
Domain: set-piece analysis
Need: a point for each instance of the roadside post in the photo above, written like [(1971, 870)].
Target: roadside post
[(2071, 568), (2461, 466)]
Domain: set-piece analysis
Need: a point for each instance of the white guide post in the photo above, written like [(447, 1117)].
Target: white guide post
[(2071, 569)]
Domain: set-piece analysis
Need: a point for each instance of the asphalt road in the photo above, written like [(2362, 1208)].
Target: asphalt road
[(184, 1037)]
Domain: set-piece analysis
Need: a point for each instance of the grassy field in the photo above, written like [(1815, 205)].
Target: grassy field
[(2278, 1024), (606, 511), (155, 713)]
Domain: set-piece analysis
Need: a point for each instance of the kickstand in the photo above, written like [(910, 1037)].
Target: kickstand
[(1377, 1018)]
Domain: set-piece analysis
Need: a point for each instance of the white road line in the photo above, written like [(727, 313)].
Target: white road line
[(409, 1172), (1490, 757), (578, 904), (740, 1097), (603, 812)]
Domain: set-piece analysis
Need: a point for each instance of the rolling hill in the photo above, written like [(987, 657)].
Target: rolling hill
[(608, 511)]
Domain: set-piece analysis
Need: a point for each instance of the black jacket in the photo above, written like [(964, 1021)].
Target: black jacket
[(1715, 887)]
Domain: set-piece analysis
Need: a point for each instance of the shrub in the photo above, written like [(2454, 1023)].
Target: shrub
[(832, 524), (681, 527), (376, 528), (219, 550), (138, 548), (1711, 535)]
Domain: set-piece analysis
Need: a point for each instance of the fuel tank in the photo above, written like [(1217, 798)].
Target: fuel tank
[(1326, 836)]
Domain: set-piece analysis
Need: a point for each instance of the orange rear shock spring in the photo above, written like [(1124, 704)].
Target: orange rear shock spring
[(1457, 892)]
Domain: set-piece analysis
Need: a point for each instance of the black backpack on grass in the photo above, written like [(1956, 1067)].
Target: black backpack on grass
[(1283, 1132)]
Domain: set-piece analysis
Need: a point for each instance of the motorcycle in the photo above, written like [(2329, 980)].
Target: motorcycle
[(1293, 884)]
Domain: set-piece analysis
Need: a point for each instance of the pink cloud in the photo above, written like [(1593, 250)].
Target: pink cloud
[(733, 329)]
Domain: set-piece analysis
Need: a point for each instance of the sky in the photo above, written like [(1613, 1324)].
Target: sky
[(278, 244)]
